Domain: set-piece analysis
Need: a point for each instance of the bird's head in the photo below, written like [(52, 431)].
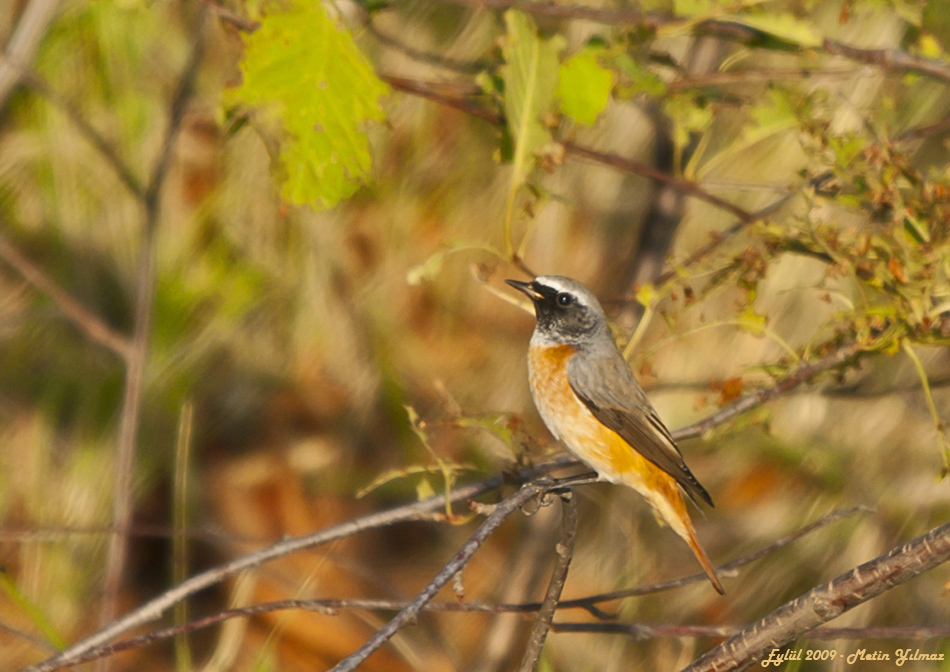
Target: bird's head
[(567, 312)]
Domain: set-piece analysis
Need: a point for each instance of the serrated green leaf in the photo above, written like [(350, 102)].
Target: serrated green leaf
[(308, 70), (531, 76), (584, 86)]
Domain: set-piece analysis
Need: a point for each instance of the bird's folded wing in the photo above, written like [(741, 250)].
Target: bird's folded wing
[(607, 387)]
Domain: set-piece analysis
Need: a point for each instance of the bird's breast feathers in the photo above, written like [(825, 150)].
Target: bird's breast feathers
[(571, 422)]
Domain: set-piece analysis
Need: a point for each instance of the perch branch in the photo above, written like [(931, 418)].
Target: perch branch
[(824, 603), (454, 566), (564, 550)]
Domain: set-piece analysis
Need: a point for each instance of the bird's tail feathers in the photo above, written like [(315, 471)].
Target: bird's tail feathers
[(703, 559)]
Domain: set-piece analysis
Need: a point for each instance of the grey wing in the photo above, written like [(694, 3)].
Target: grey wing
[(608, 388)]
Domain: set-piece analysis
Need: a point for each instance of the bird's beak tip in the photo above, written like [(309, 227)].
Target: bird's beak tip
[(524, 287)]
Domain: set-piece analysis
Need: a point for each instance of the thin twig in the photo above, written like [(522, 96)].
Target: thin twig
[(455, 65), (684, 186), (824, 603), (436, 93), (710, 79), (564, 551), (22, 45), (454, 566), (153, 609), (801, 375), (635, 631), (332, 606), (724, 570), (639, 632), (628, 16), (88, 322), (88, 131), (138, 357), (55, 533), (921, 132), (232, 17), (890, 59), (28, 637), (887, 59)]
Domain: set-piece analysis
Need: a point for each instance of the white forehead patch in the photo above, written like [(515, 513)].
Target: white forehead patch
[(562, 284)]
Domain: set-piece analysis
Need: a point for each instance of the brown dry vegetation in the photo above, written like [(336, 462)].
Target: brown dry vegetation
[(297, 341)]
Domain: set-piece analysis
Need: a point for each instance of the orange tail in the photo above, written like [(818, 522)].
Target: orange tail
[(701, 556)]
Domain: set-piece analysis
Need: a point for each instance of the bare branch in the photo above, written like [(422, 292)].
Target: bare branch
[(455, 565), (639, 632), (921, 132), (684, 186), (108, 152), (153, 609), (410, 512), (455, 65), (824, 603), (724, 570), (88, 322), (801, 375), (564, 550), (888, 59), (22, 45), (722, 78), (437, 93), (138, 355)]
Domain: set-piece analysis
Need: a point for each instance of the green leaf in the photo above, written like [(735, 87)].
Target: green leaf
[(641, 79), (302, 66), (752, 322), (584, 86), (531, 76), (772, 115)]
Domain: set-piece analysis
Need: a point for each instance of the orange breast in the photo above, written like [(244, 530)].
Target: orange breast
[(574, 425)]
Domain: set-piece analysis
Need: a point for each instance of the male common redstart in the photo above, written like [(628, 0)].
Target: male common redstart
[(589, 399)]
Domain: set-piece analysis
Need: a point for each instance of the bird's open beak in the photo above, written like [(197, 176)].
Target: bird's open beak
[(525, 287)]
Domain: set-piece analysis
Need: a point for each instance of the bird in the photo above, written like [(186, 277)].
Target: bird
[(591, 402)]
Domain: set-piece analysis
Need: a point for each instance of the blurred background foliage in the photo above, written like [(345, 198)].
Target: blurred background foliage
[(301, 335)]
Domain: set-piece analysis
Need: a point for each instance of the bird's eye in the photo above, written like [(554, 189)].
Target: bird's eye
[(564, 299)]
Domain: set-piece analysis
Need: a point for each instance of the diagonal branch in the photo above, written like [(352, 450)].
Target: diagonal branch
[(437, 93), (724, 570), (88, 131), (22, 45), (639, 632), (154, 609), (78, 314), (824, 603), (454, 566), (801, 375), (81, 653), (893, 60), (683, 186)]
